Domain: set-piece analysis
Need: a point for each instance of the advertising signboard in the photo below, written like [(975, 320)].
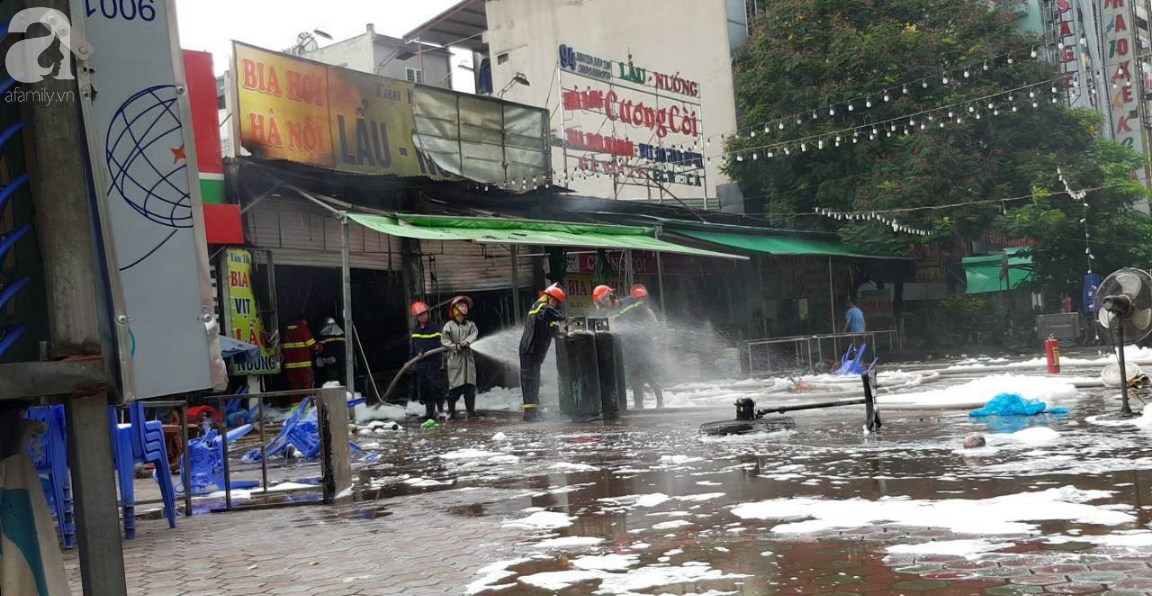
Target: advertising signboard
[(147, 189)]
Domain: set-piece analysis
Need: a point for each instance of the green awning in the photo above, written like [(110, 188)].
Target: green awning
[(776, 245), (532, 232), (985, 274)]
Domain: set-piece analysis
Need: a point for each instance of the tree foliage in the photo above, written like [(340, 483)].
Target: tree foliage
[(807, 54)]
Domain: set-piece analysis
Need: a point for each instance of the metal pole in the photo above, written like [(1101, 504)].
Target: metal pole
[(364, 356), (346, 270), (97, 521), (263, 445), (629, 270), (227, 468), (516, 279), (832, 295), (186, 476)]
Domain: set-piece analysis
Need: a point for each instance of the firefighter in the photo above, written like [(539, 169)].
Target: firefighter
[(639, 332), (540, 326), (605, 298), (430, 369), (332, 359), (458, 336), (298, 346)]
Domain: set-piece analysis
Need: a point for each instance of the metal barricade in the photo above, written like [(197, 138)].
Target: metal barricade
[(808, 350), (335, 456)]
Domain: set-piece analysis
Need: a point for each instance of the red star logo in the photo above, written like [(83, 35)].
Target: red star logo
[(178, 154)]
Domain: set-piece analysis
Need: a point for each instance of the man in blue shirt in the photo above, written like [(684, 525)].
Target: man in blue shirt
[(854, 320)]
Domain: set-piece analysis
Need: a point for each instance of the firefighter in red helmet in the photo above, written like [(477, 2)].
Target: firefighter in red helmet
[(539, 328), (639, 331), (604, 298), (430, 369)]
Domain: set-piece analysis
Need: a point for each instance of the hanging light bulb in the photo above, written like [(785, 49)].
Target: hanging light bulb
[(855, 140), (1013, 109), (1033, 52), (755, 156), (905, 89), (985, 65), (766, 129), (1009, 58), (753, 134), (996, 112), (739, 158), (977, 116), (959, 121), (924, 83), (971, 109), (950, 115), (781, 126), (945, 79), (832, 111), (1035, 104), (820, 144), (771, 155), (803, 147), (787, 151), (1031, 94), (813, 114), (886, 97), (868, 102), (966, 73)]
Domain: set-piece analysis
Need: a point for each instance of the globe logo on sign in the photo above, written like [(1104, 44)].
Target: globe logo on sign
[(146, 157)]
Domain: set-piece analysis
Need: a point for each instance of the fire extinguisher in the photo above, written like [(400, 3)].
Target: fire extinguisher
[(1052, 351)]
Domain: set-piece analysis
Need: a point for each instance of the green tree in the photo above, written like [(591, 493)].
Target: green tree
[(806, 56)]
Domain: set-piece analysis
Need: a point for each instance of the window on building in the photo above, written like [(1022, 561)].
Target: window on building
[(502, 58), (414, 75)]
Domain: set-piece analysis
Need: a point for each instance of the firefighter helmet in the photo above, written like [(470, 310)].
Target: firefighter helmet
[(639, 291), (600, 293), (456, 302), (419, 308), (555, 291)]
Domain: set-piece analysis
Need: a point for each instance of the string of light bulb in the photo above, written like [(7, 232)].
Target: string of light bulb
[(906, 124)]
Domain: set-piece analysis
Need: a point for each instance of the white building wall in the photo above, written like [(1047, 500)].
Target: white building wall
[(379, 54), (690, 38)]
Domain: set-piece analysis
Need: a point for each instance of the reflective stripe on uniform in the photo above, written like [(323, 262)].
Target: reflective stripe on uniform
[(531, 406), (539, 307), (295, 344), (292, 327), (425, 335), (625, 309), (305, 364), (331, 339)]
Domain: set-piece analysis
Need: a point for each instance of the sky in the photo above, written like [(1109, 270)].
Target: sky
[(211, 25)]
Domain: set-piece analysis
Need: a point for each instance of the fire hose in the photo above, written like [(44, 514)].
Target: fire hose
[(407, 367)]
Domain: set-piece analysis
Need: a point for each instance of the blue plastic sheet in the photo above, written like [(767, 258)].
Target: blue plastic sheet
[(1012, 404)]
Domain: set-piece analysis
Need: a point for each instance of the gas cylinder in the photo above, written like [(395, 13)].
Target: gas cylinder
[(1052, 352)]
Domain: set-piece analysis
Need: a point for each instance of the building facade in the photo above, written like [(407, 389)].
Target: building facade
[(389, 57), (639, 92)]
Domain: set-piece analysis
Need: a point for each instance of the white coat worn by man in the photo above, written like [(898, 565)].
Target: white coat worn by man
[(458, 335)]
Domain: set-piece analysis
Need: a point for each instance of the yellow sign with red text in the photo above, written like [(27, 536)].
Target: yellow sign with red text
[(305, 112)]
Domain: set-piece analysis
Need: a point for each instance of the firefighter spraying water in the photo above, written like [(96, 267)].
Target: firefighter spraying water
[(541, 325)]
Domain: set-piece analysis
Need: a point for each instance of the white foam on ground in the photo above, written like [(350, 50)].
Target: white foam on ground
[(504, 459), (975, 394), (652, 500), (964, 548), (606, 562), (569, 542), (542, 520), (630, 581), (1143, 421), (999, 515), (679, 459), (671, 525), (468, 454), (573, 467), (1036, 435), (493, 573), (700, 498), (363, 413)]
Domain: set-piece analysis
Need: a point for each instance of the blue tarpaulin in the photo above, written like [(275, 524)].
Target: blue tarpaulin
[(1011, 404)]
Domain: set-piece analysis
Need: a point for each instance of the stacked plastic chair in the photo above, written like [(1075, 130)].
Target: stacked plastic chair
[(50, 454), (141, 441), (207, 456)]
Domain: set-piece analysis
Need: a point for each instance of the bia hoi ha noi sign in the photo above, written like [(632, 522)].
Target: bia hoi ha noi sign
[(635, 124), (305, 112)]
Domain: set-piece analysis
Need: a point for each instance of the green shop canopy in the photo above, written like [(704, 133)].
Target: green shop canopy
[(987, 274), (536, 233), (776, 245)]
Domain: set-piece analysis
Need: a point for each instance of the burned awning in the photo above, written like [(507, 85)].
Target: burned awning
[(535, 233), (775, 245)]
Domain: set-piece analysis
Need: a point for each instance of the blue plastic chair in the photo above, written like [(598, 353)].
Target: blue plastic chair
[(141, 441), (50, 455), (207, 456)]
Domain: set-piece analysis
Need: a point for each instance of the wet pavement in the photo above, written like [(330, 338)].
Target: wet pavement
[(644, 505)]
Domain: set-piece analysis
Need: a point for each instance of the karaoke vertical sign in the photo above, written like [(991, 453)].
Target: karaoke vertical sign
[(1120, 68), (143, 161)]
